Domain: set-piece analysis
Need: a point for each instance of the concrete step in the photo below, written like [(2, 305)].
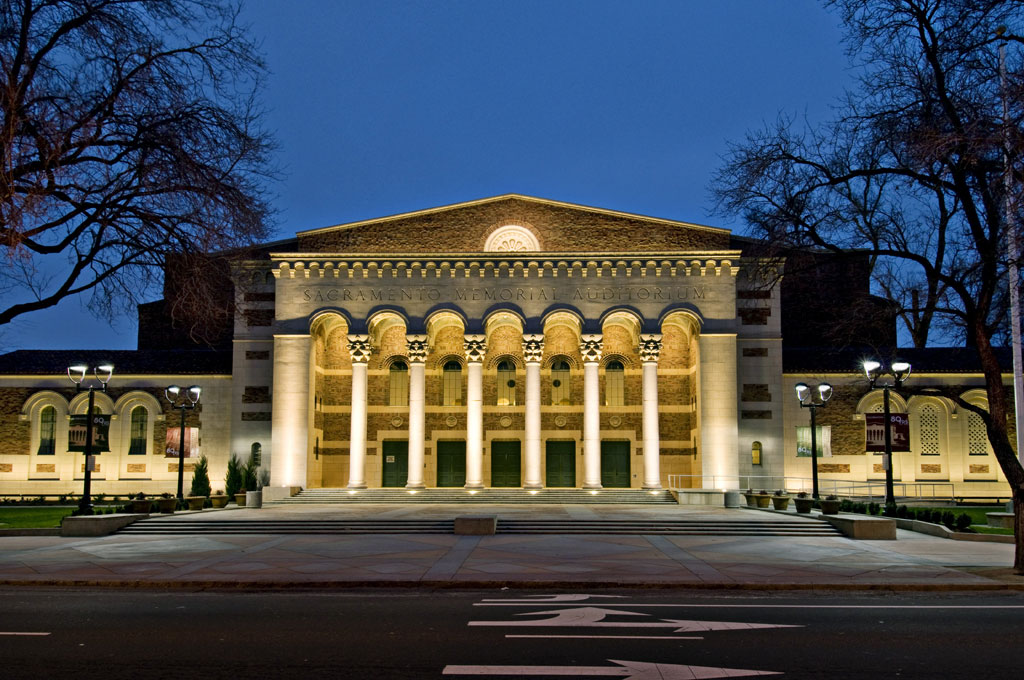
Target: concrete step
[(496, 496), (521, 526)]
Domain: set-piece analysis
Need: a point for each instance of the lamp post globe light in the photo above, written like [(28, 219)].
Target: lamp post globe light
[(185, 399), (814, 398), (77, 374), (899, 371)]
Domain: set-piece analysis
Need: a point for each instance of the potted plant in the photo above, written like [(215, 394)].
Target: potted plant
[(763, 498), (240, 497), (141, 504), (200, 485), (219, 499), (254, 493), (780, 499), (166, 503), (751, 498), (830, 505), (233, 479), (803, 503)]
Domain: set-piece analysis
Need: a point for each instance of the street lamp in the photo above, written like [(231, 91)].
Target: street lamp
[(76, 373), (900, 371), (184, 399), (805, 395)]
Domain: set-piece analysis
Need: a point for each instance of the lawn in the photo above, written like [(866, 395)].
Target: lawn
[(33, 518)]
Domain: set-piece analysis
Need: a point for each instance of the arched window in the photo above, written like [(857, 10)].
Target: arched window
[(977, 436), (398, 384), (560, 383), (47, 431), (451, 384), (614, 384), (506, 383), (139, 431), (929, 430)]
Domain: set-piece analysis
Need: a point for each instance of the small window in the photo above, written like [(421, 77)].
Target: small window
[(451, 384), (755, 453), (398, 384), (506, 384), (614, 384), (560, 383), (139, 431), (47, 431)]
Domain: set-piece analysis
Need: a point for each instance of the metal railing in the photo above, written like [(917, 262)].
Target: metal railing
[(871, 490)]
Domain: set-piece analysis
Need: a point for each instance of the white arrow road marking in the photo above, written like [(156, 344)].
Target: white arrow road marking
[(593, 617), (566, 597), (631, 670)]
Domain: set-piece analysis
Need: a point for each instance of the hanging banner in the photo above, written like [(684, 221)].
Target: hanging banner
[(191, 442), (874, 431), (100, 432)]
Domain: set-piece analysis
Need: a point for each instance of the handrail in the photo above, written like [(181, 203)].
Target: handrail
[(868, 489)]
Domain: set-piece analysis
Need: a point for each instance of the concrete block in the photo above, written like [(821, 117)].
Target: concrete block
[(710, 497), (476, 525), (97, 525), (864, 528), (274, 493), (1001, 520)]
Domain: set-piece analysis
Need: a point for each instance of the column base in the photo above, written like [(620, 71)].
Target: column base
[(477, 485), (538, 485), (653, 487), (356, 485), (416, 486), (592, 486)]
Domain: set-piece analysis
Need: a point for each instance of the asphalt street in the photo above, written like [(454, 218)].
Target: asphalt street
[(424, 633)]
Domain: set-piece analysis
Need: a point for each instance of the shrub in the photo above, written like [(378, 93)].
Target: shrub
[(233, 479), (201, 478), (249, 480), (963, 521), (949, 519), (901, 511), (890, 511), (846, 505), (875, 508)]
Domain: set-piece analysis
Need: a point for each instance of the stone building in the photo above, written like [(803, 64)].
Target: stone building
[(503, 342)]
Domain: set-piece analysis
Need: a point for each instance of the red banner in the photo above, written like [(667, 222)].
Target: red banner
[(191, 442)]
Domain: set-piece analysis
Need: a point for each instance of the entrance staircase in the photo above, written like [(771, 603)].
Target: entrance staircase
[(695, 527), (489, 496)]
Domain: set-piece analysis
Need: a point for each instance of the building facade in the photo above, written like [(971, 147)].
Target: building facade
[(506, 342)]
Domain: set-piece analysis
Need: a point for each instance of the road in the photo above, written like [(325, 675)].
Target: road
[(415, 633)]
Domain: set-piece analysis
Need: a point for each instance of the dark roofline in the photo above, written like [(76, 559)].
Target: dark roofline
[(125, 362), (953, 360)]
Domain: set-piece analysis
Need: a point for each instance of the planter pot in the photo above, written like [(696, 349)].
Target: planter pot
[(143, 506), (803, 505), (196, 502), (762, 500), (254, 499), (751, 499), (830, 507), (166, 505), (240, 499), (219, 501), (780, 502)]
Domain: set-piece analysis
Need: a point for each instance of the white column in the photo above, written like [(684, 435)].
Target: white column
[(718, 407), (475, 350), (650, 347), (533, 350), (590, 348), (359, 349), (417, 350), (289, 423)]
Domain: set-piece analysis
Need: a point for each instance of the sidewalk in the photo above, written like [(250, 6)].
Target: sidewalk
[(913, 562)]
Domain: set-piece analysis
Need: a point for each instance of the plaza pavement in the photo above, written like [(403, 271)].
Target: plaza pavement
[(212, 560)]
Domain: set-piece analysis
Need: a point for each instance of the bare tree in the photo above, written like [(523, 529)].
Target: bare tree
[(911, 170), (130, 132)]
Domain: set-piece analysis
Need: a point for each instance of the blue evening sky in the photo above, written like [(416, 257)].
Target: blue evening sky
[(386, 106)]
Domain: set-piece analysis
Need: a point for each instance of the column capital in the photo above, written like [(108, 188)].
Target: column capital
[(533, 348), (591, 347), (416, 348), (650, 347), (475, 347), (359, 348)]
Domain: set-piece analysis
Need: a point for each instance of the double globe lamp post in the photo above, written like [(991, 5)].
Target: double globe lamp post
[(899, 371), (184, 399), (813, 399), (76, 373)]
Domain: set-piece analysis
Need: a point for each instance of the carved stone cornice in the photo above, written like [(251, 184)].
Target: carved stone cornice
[(359, 348), (591, 347), (416, 348), (475, 347), (533, 348), (650, 347)]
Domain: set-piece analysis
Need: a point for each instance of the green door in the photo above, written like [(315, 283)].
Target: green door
[(451, 463), (561, 464), (615, 465), (396, 463), (505, 464)]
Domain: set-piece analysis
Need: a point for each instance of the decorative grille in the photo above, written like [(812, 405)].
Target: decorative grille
[(929, 419)]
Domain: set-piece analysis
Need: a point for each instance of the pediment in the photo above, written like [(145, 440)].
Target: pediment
[(513, 223)]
